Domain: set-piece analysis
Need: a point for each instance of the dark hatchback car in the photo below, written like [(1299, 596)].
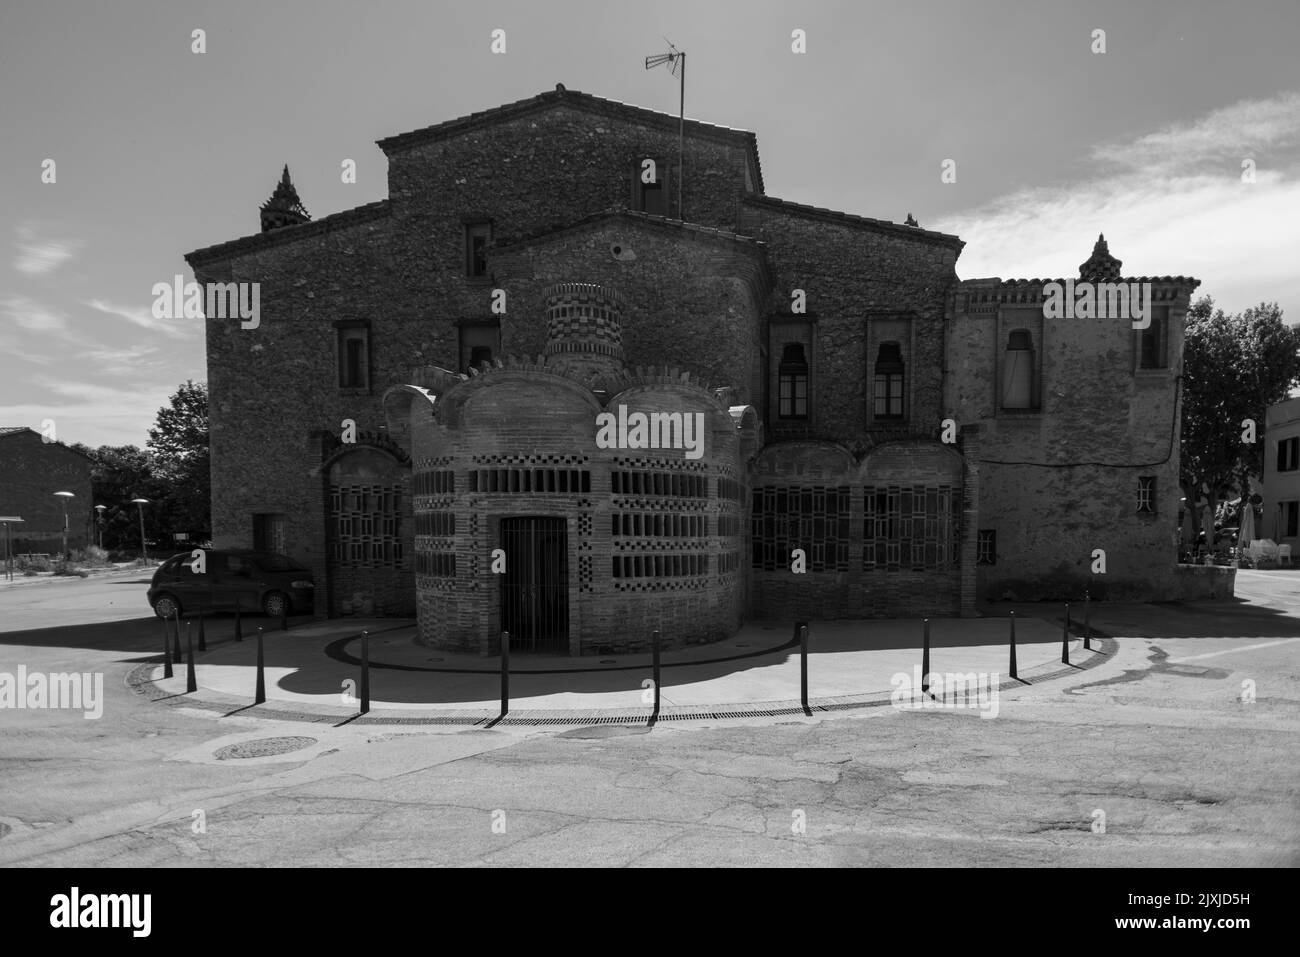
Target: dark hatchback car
[(256, 581)]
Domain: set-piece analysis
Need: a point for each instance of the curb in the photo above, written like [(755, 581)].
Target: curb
[(141, 680)]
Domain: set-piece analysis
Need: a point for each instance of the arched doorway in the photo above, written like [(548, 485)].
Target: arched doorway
[(368, 525)]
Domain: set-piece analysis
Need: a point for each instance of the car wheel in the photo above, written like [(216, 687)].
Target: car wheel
[(166, 607), (276, 604)]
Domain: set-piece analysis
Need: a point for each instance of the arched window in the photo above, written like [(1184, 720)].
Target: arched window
[(792, 383), (889, 381), (1018, 371)]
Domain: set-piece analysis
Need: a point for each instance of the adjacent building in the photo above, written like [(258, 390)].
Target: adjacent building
[(418, 413), (31, 471), (1281, 512)]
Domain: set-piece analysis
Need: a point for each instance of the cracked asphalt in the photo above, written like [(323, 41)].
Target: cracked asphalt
[(1181, 750)]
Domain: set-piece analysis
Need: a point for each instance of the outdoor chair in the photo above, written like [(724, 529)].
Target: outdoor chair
[(1284, 555)]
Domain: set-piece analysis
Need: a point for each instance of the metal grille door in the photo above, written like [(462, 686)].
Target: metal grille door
[(535, 586)]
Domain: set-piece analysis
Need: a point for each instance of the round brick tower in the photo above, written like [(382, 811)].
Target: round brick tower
[(584, 331)]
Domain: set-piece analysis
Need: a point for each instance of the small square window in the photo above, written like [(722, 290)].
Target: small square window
[(986, 547)]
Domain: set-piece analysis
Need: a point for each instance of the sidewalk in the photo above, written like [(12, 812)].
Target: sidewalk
[(850, 664)]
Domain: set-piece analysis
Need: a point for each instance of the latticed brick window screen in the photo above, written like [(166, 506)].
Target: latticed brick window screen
[(814, 518), (909, 527), (367, 526)]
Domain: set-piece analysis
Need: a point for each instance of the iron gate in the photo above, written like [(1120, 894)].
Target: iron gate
[(535, 586)]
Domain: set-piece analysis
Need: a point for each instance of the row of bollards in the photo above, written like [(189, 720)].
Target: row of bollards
[(172, 651), (801, 634)]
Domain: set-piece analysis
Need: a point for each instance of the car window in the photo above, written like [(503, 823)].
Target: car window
[(237, 565)]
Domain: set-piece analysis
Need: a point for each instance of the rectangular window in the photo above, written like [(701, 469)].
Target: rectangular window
[(794, 396), (652, 197), (1153, 342), (1288, 454), (986, 547), (1289, 526), (477, 237), (354, 356), (1147, 494), (910, 527)]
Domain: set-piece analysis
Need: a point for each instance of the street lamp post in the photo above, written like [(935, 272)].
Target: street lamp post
[(65, 496), (99, 510), (140, 503)]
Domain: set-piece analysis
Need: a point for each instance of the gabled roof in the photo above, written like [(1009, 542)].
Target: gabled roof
[(7, 431), (849, 219), (575, 99), (275, 237)]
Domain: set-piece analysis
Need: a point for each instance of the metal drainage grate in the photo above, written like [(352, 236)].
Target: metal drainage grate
[(263, 747)]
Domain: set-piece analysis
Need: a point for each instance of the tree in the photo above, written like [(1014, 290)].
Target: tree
[(179, 442), (1234, 368), (117, 475)]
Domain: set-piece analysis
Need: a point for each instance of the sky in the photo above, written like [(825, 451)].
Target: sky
[(159, 150)]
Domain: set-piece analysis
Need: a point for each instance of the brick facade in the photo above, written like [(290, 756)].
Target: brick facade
[(828, 406), (31, 471)]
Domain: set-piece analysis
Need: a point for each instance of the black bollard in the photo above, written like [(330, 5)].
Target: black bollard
[(1013, 647), (1065, 637), (803, 666), (505, 673), (239, 625), (167, 650), (365, 672), (203, 637), (1086, 617), (284, 615), (176, 625), (654, 715), (260, 696), (191, 683), (925, 656)]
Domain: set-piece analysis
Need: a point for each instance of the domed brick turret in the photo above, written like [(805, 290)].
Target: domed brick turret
[(584, 331)]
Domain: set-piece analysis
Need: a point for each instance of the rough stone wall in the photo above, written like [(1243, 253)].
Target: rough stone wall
[(274, 389), (855, 277), (31, 471), (1101, 425), (689, 303)]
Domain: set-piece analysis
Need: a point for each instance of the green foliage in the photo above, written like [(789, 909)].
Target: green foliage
[(172, 473), (179, 443), (1234, 368)]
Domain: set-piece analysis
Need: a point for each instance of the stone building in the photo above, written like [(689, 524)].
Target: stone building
[(417, 414), (1281, 479)]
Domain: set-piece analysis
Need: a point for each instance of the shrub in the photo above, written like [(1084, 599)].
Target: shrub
[(34, 564), (62, 567), (92, 556)]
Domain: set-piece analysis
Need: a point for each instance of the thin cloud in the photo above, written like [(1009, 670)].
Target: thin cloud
[(109, 356), (33, 316), (139, 316), (1170, 202), (42, 256)]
